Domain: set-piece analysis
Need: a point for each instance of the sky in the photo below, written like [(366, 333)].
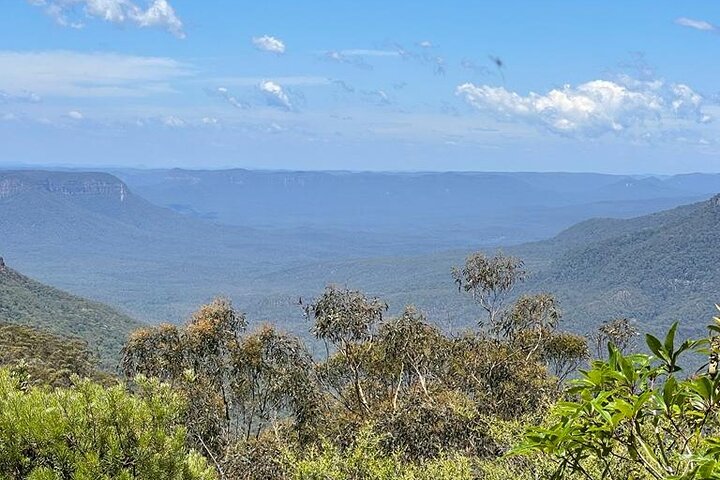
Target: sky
[(611, 86)]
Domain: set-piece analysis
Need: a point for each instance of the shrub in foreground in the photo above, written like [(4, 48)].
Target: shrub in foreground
[(89, 432)]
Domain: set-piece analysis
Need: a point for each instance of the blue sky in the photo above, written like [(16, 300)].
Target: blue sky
[(626, 87)]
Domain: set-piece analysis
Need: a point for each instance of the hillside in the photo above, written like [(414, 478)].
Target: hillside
[(24, 301), (657, 268), (47, 358)]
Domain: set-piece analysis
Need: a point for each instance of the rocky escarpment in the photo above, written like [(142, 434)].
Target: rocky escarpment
[(13, 183), (715, 201)]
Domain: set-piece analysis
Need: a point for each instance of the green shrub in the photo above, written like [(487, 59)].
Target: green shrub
[(89, 432), (365, 460)]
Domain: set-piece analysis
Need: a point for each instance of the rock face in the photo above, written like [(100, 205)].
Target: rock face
[(64, 183), (2, 264), (715, 201)]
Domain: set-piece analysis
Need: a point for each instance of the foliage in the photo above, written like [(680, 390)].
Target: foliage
[(45, 358), (393, 397), (235, 385), (365, 459), (87, 431), (489, 280), (635, 416), (621, 332)]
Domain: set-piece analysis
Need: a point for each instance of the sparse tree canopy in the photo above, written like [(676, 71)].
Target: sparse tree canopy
[(489, 280)]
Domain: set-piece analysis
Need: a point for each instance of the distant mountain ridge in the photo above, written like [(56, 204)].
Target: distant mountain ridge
[(438, 210), (77, 183), (90, 234)]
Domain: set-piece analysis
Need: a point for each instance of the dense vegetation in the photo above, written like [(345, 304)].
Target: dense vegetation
[(653, 268), (24, 301), (90, 432), (384, 397), (45, 358)]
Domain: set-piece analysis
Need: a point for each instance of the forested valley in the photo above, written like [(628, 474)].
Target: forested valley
[(370, 396)]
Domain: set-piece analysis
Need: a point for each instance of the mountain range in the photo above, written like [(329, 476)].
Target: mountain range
[(427, 210), (264, 239)]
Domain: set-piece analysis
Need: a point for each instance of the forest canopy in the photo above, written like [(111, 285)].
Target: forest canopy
[(388, 396)]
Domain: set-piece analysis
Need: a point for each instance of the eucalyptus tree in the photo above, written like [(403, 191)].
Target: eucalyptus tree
[(489, 280), (346, 321)]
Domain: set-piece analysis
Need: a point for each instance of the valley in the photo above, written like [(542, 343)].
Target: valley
[(94, 235)]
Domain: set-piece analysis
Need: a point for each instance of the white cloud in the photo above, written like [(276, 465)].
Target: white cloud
[(210, 121), (20, 97), (697, 24), (593, 108), (73, 74), (231, 99), (9, 117), (275, 94), (351, 59), (173, 122), (72, 13), (75, 115), (267, 43)]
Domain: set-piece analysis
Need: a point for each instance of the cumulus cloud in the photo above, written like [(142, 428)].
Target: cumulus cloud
[(268, 43), (275, 95), (697, 24), (60, 73), (593, 108), (75, 115), (73, 13)]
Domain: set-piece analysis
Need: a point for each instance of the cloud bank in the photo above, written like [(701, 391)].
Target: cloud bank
[(74, 74), (73, 13), (594, 108)]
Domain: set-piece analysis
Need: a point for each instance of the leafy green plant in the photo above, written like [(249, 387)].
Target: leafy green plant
[(634, 416)]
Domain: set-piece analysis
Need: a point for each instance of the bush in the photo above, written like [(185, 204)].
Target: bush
[(87, 431)]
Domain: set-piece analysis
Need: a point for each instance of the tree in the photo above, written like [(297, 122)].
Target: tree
[(235, 384), (347, 320), (197, 360), (412, 349), (619, 331), (273, 374), (45, 358), (489, 280)]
